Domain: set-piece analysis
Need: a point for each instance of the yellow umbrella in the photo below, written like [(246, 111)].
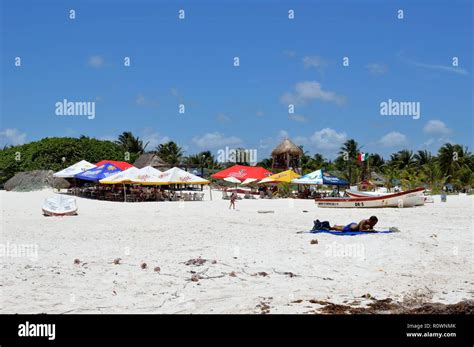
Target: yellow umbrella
[(285, 176)]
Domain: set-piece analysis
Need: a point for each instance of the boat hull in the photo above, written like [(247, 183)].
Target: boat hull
[(59, 206), (358, 194), (408, 198)]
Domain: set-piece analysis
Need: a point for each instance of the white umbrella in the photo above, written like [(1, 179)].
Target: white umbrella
[(146, 175), (177, 176), (74, 169), (125, 176)]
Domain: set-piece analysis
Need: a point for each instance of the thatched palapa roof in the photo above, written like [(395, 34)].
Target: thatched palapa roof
[(150, 159), (286, 146)]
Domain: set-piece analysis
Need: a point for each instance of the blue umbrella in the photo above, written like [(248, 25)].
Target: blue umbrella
[(322, 178), (99, 172)]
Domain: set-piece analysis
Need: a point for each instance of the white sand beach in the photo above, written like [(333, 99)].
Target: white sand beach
[(255, 261)]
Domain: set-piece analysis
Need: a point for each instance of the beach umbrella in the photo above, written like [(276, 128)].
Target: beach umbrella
[(232, 179), (243, 172), (122, 165), (74, 169), (176, 175), (320, 177), (146, 175), (125, 176), (285, 176), (98, 173)]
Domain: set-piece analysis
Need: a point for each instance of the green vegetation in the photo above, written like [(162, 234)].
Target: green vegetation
[(48, 154), (453, 165)]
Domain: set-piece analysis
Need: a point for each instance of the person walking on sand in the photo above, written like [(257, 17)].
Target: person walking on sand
[(233, 197)]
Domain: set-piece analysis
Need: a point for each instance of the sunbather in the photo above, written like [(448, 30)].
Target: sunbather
[(363, 225)]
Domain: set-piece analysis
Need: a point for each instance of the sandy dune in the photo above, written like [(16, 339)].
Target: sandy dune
[(255, 262)]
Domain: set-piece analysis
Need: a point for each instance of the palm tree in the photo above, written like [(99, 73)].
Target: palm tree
[(348, 152), (403, 159), (320, 162), (453, 158), (351, 147), (391, 173), (205, 159), (266, 163), (432, 175), (422, 158), (376, 162), (170, 152), (131, 143)]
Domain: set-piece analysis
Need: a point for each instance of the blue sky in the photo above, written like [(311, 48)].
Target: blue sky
[(282, 61)]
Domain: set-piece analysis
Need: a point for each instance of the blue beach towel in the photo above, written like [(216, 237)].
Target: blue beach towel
[(350, 233)]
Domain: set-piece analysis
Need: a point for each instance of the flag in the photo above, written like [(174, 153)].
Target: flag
[(362, 156)]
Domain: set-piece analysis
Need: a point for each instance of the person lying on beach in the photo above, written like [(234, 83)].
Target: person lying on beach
[(363, 225)]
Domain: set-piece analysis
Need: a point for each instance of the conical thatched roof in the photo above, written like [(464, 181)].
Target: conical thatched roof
[(150, 159), (286, 146)]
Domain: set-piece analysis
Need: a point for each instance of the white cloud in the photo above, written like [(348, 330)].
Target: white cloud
[(436, 127), (12, 137), (96, 61), (314, 61), (297, 118), (393, 139), (308, 91), (454, 69), (377, 68), (435, 143), (328, 138), (216, 140)]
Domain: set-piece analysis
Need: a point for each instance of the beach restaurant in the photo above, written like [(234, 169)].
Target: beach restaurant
[(121, 181)]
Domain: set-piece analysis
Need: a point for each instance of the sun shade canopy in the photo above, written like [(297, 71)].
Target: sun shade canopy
[(322, 178), (243, 172), (122, 165), (285, 176), (99, 172), (74, 169), (176, 176)]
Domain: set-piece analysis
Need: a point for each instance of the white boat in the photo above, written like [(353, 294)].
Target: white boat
[(422, 199), (60, 205), (407, 198)]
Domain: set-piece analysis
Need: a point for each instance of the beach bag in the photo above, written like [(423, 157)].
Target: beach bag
[(321, 225)]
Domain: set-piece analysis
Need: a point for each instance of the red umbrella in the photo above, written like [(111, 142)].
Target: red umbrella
[(243, 172), (122, 165)]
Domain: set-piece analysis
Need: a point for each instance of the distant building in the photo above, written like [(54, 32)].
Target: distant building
[(287, 156), (151, 159)]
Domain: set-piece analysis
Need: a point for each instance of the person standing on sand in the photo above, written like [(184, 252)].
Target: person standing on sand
[(233, 197)]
